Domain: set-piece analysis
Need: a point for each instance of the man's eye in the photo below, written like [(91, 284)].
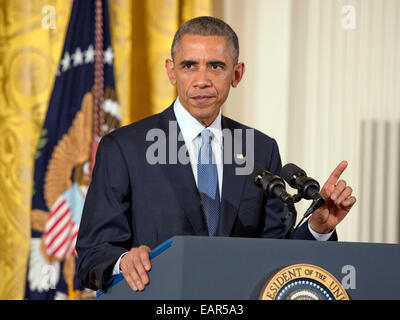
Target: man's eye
[(217, 66), (188, 66)]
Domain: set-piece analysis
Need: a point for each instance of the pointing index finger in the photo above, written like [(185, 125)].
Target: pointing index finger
[(335, 175)]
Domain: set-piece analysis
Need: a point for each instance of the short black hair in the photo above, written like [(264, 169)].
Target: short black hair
[(207, 26)]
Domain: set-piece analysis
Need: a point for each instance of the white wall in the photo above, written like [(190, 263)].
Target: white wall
[(327, 90), (261, 99)]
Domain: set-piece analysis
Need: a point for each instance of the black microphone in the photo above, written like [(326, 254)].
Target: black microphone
[(273, 186), (297, 178), (308, 187)]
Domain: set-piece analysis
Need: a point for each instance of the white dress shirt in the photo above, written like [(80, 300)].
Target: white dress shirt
[(191, 129)]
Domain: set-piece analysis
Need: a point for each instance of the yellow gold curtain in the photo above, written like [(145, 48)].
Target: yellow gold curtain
[(142, 33), (29, 53), (30, 49)]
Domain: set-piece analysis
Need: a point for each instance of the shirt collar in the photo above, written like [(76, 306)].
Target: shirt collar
[(191, 128)]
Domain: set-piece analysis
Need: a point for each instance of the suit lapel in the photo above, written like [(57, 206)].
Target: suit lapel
[(182, 180), (232, 187)]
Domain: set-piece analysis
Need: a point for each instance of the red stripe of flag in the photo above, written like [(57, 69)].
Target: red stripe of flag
[(58, 220), (58, 233), (62, 243)]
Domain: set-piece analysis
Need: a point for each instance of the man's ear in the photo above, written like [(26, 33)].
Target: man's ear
[(238, 74), (169, 66)]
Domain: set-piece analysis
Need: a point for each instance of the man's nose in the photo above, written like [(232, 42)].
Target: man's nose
[(202, 79)]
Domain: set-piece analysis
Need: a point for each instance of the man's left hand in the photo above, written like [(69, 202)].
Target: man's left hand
[(338, 202)]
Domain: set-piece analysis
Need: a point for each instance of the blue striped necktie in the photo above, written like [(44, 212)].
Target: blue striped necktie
[(207, 181)]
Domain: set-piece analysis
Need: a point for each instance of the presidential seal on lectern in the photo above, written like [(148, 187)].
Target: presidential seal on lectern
[(303, 282)]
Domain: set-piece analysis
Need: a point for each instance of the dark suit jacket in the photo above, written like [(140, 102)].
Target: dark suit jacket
[(131, 202)]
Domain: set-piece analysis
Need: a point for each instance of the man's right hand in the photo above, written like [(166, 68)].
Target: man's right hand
[(135, 265)]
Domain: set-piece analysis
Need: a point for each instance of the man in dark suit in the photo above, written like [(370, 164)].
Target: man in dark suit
[(170, 174)]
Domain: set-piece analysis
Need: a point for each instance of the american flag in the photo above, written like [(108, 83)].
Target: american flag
[(61, 230), (85, 47)]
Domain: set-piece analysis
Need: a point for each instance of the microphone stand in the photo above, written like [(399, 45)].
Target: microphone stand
[(290, 218), (314, 206), (292, 215)]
